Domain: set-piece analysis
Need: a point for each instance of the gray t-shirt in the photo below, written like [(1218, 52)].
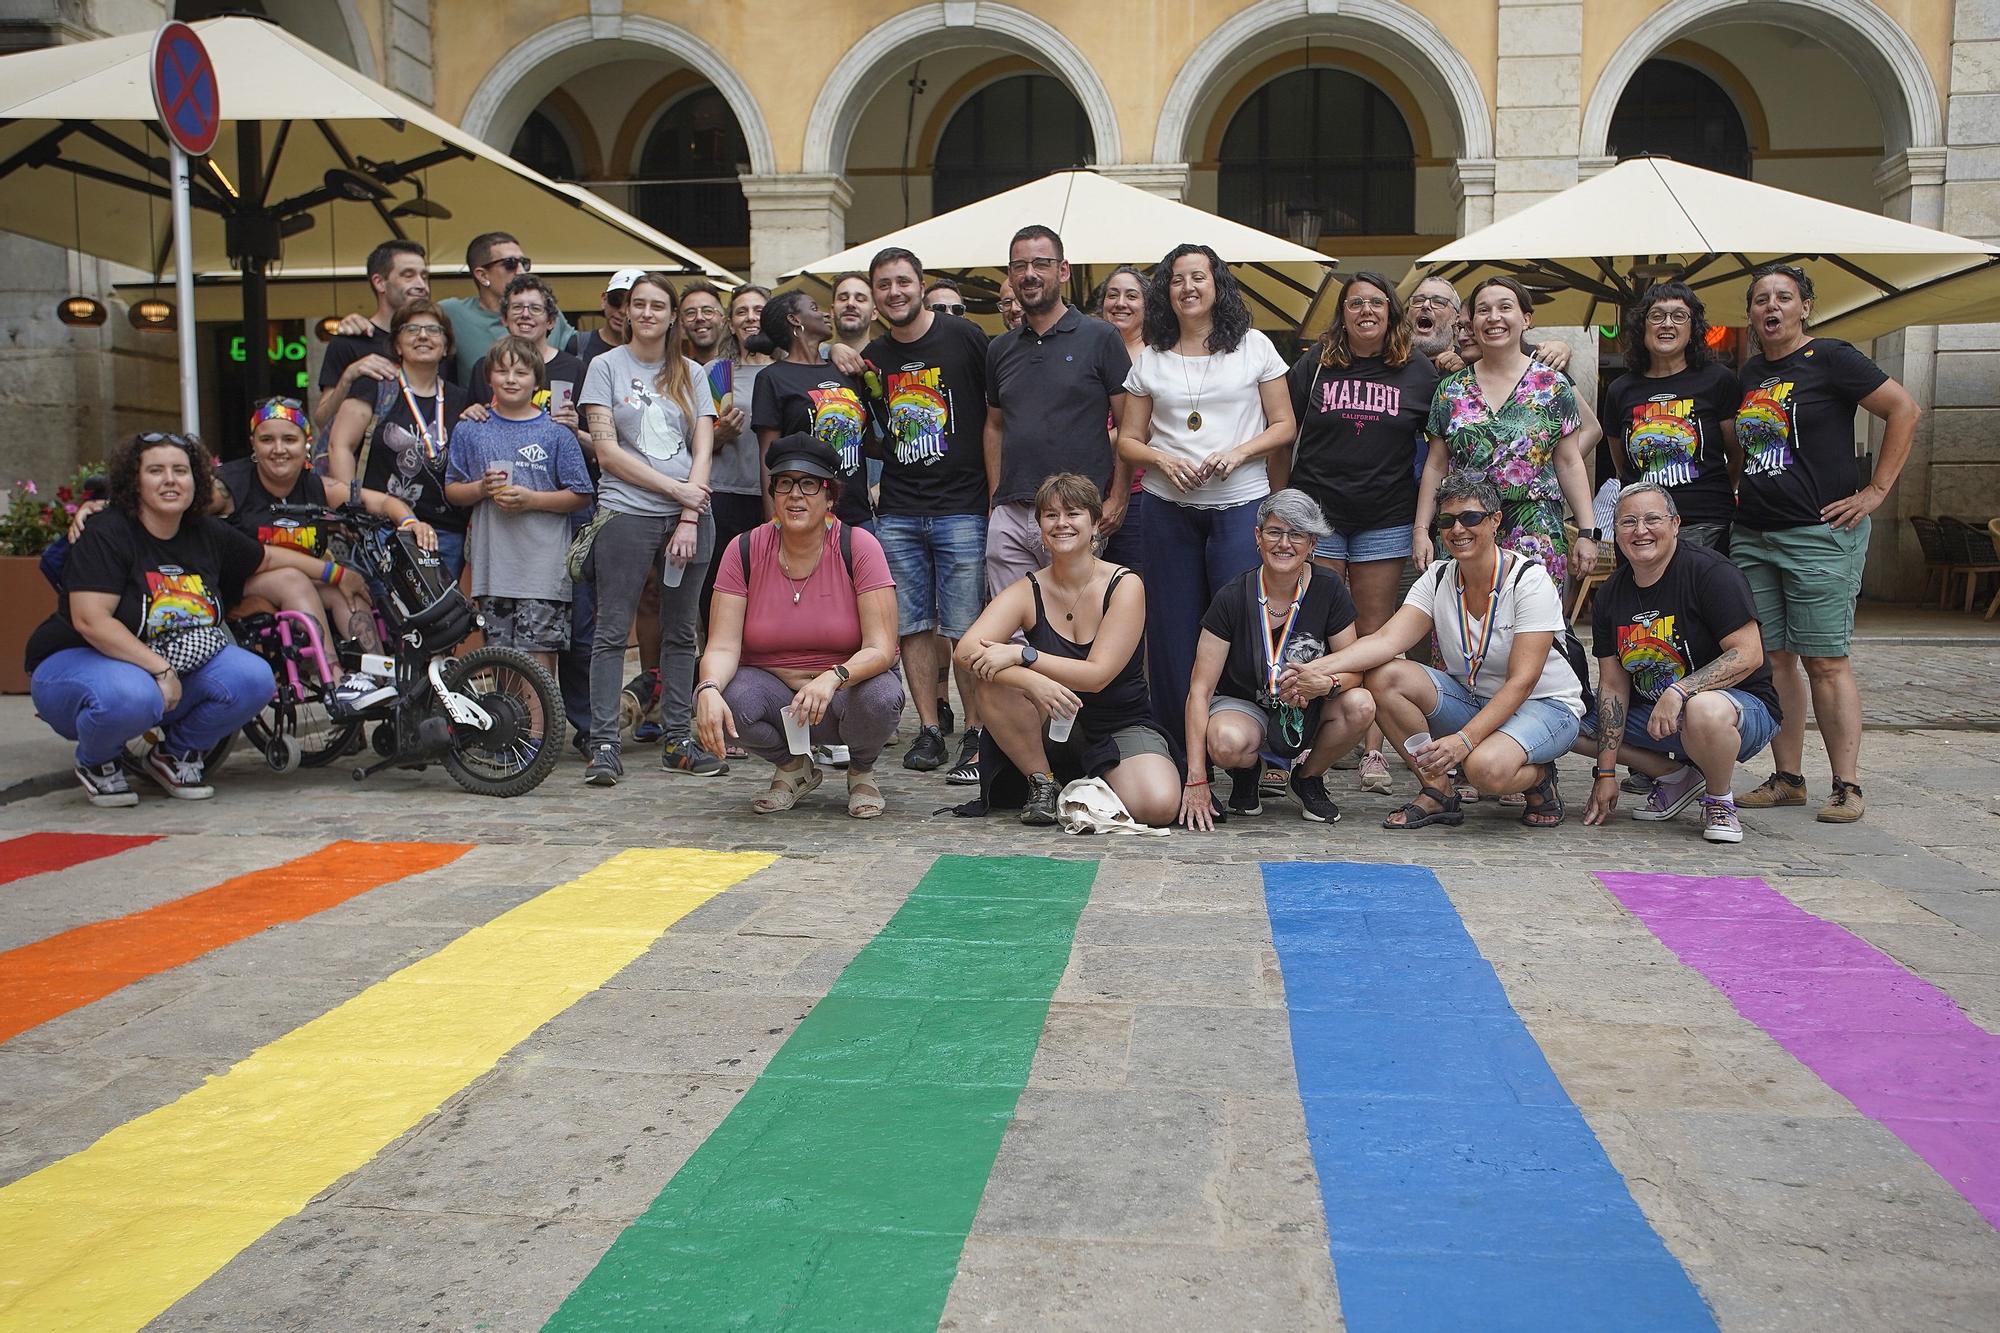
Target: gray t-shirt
[(736, 470), (650, 425), (519, 555)]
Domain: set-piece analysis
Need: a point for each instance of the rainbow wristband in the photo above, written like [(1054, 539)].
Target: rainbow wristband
[(331, 574)]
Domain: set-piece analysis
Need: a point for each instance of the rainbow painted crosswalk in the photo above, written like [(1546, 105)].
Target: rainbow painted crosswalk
[(1461, 1184)]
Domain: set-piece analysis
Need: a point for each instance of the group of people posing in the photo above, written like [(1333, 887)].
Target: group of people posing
[(1147, 546)]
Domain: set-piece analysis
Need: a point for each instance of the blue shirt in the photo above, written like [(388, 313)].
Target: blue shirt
[(520, 554)]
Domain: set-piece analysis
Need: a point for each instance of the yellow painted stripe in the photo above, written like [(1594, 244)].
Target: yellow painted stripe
[(111, 1236)]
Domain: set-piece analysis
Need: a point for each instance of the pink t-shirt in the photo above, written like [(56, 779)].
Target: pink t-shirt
[(824, 626)]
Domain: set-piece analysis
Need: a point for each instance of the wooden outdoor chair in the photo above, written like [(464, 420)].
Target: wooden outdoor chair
[(1587, 582), (1937, 559), (1972, 556)]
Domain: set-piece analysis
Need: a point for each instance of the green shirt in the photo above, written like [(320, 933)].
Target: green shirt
[(474, 330)]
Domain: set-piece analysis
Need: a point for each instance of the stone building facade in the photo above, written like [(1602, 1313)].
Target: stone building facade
[(769, 134)]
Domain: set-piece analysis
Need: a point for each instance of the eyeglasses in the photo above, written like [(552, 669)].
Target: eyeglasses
[(1658, 316), (948, 308), (512, 263), (1282, 536), (1009, 303), (1434, 301), (1366, 303), (1465, 518), (1040, 264), (539, 309), (1633, 522), (424, 330), (801, 485)]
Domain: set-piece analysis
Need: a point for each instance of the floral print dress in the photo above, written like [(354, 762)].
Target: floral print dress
[(1515, 446)]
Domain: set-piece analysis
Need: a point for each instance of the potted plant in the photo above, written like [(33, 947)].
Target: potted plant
[(33, 519)]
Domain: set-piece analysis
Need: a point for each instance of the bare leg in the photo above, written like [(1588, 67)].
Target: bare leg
[(1709, 730), (1788, 747), (1836, 701), (920, 668), (1343, 719), (1150, 788), (1404, 698), (351, 610), (968, 691), (291, 590), (1500, 767), (1234, 740), (1373, 585), (1016, 727)]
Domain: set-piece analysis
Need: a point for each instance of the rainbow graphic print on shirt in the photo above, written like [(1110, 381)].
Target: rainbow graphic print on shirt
[(837, 421), (176, 600), (919, 414), (290, 535), (1764, 428), (1651, 653), (1664, 441)]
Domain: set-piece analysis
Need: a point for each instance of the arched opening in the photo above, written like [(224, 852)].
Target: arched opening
[(686, 183), (1677, 111), (544, 145), (1321, 141), (1008, 133)]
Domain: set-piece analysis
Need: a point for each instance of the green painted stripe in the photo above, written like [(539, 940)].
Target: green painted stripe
[(839, 1191)]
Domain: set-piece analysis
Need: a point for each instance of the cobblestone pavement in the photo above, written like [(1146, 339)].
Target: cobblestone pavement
[(1929, 685), (393, 1106)]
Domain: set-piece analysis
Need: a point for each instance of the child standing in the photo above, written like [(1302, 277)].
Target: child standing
[(522, 475)]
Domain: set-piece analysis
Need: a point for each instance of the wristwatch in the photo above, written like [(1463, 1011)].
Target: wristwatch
[(1028, 654), (840, 673), (1595, 534)]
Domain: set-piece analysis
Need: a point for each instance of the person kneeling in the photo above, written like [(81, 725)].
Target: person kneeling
[(803, 621), (1507, 704), (1255, 689), (1071, 701), (1683, 691)]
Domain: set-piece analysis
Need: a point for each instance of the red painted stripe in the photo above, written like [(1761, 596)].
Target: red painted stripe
[(39, 853), (51, 977)]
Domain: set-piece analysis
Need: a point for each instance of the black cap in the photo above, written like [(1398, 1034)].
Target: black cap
[(803, 454)]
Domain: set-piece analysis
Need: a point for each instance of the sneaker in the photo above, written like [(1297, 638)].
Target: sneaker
[(639, 696), (604, 769), (1314, 803), (1718, 820), (1778, 789), (1353, 759), (926, 752), (356, 693), (1044, 792), (1375, 775), (687, 756), (1245, 792), (965, 773), (179, 775), (831, 756), (106, 784), (1670, 796), (1635, 783), (1844, 806), (947, 720), (648, 732)]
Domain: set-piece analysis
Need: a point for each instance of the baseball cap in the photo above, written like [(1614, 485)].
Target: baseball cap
[(622, 280), (803, 454)]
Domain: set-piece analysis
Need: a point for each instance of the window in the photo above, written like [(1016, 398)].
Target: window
[(1325, 139), (1679, 112), (543, 146), (690, 164), (1008, 133)]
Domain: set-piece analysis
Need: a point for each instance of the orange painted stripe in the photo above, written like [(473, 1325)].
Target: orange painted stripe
[(39, 853), (50, 977)]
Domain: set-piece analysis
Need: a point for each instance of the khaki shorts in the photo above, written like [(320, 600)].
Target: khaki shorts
[(1805, 581)]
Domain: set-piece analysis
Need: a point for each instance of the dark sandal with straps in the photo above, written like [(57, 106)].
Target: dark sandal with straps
[(1545, 802), (1415, 816)]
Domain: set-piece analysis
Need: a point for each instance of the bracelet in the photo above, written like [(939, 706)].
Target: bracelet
[(707, 685), (1681, 690), (1202, 783), (1469, 747), (163, 672), (1604, 772), (409, 522), (331, 574), (688, 517)]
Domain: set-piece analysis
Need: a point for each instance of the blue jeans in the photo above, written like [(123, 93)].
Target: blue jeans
[(451, 551), (101, 703), (1127, 546), (1190, 554), (573, 662), (939, 564)]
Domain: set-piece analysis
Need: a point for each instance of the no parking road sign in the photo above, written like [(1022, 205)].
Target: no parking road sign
[(184, 89)]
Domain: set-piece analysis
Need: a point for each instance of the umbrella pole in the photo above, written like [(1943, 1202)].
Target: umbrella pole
[(251, 258), (184, 295)]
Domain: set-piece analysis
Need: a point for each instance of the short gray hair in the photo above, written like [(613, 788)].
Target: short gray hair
[(1648, 488), (1297, 511), (1469, 483)]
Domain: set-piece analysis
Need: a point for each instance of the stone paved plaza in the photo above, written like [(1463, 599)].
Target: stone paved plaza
[(1258, 1079)]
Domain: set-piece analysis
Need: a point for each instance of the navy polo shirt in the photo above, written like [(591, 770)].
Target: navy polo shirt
[(1056, 390)]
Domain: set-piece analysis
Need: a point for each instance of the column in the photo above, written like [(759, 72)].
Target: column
[(1472, 191), (795, 219), (1538, 113), (1912, 186), (1169, 180), (409, 63)]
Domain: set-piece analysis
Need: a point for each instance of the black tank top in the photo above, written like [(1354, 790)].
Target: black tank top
[(253, 517), (1122, 702)]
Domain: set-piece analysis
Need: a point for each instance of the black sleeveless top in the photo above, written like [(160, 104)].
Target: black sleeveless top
[(253, 517), (1122, 702)]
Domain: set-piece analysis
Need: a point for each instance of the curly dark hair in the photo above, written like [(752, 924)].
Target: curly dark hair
[(124, 470), (1632, 335), (1334, 353), (1231, 317)]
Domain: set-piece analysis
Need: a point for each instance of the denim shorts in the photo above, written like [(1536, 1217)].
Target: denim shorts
[(939, 564), (1753, 722), (1359, 546), (1544, 728)]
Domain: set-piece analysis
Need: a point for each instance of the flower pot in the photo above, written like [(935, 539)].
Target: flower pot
[(26, 600)]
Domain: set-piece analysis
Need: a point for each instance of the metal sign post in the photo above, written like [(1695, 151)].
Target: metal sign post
[(185, 92), (184, 294)]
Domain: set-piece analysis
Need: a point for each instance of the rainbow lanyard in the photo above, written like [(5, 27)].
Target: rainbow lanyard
[(433, 444), (1275, 644), (1474, 660)]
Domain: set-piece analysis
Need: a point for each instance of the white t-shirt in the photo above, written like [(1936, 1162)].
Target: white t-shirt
[(1223, 388), (1528, 602)]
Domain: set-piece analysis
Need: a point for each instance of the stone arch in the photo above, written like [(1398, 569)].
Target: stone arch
[(357, 38), (540, 63), (1879, 51), (856, 79), (1391, 26)]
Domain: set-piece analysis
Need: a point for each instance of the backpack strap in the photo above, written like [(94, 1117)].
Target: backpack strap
[(742, 544), (847, 549)]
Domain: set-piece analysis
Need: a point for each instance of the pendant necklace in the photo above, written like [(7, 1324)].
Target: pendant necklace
[(798, 585), (1194, 414), (1071, 613)]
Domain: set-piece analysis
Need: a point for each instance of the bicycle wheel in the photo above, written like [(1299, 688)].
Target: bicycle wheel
[(527, 736)]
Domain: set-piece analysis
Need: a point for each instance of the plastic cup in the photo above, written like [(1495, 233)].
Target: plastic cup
[(503, 468), (1417, 741), (670, 573), (1059, 728), (798, 736)]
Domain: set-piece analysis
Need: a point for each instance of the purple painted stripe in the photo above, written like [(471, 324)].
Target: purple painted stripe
[(1875, 1032)]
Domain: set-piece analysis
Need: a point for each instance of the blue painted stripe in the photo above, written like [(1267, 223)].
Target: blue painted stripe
[(1463, 1188)]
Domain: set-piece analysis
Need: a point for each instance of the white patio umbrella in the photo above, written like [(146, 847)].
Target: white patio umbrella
[(1103, 223), (1593, 248), (307, 146)]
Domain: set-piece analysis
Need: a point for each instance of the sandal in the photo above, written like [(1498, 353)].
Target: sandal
[(787, 789), (1545, 802), (864, 798), (1415, 816)]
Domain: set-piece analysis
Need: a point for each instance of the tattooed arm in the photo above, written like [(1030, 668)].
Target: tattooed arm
[(1742, 652), (1614, 695)]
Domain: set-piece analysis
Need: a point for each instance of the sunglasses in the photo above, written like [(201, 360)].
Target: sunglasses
[(1465, 518), (170, 437), (947, 308), (616, 300), (512, 263)]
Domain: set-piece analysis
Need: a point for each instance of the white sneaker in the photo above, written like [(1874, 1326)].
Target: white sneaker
[(833, 756), (180, 776), (357, 692), (106, 784)]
